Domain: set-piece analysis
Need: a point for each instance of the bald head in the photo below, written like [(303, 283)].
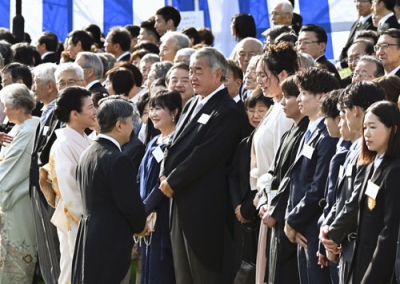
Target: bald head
[(282, 13), (247, 49)]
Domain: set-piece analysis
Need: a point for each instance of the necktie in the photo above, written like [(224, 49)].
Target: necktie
[(307, 136), (43, 117), (197, 109)]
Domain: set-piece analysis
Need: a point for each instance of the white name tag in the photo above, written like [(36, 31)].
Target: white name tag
[(372, 190), (308, 151), (45, 130), (203, 119), (273, 193), (349, 170), (341, 171), (158, 154)]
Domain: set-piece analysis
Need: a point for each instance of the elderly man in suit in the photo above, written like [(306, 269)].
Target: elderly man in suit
[(388, 51), (194, 171), (118, 43), (309, 175), (92, 71)]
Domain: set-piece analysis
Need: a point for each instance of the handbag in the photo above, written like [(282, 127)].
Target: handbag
[(246, 273), (46, 185)]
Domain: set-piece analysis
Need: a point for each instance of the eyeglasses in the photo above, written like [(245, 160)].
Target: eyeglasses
[(353, 59), (69, 83), (384, 46), (361, 75), (260, 113), (306, 42)]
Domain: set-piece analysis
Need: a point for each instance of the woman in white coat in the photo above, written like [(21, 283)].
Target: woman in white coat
[(75, 108)]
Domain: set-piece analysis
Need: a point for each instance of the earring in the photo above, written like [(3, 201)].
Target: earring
[(173, 118)]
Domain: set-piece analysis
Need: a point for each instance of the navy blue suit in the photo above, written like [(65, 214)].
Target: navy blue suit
[(307, 190)]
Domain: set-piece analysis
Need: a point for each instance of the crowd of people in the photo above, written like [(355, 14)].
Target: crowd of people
[(271, 166)]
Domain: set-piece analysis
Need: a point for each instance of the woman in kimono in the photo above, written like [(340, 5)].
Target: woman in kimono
[(157, 264), (75, 108), (275, 65), (18, 239), (379, 211)]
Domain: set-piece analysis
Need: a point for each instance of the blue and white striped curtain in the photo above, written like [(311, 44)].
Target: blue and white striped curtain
[(62, 16)]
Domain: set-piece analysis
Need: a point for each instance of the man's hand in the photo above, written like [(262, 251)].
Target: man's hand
[(145, 232), (290, 233), (239, 215), (165, 188), (329, 245), (263, 210), (300, 239), (322, 260), (269, 220), (5, 138)]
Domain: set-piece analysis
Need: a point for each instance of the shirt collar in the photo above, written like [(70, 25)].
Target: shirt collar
[(237, 98), (101, 135), (364, 19), (383, 20), (122, 55), (88, 86), (46, 53), (393, 72), (207, 98)]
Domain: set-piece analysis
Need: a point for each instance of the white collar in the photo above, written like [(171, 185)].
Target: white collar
[(207, 98), (44, 54), (364, 19), (237, 98), (88, 86), (393, 72), (383, 20), (101, 135), (122, 55)]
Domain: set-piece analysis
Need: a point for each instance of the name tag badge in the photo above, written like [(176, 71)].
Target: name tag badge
[(45, 130), (274, 192), (372, 190), (308, 151), (349, 170), (203, 119), (158, 154), (341, 171)]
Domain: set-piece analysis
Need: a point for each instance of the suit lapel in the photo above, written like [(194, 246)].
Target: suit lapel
[(184, 120)]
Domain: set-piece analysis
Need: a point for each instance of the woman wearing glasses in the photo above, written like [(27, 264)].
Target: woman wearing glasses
[(275, 65)]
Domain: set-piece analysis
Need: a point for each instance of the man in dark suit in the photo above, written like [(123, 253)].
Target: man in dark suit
[(341, 220), (194, 171), (113, 209), (368, 68), (312, 40), (309, 175), (92, 70), (384, 9), (364, 22), (46, 46), (388, 51), (118, 43), (45, 89)]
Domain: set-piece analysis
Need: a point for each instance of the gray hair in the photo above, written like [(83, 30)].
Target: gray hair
[(91, 60), (253, 40), (108, 61), (180, 40), (111, 110), (287, 7), (183, 55), (215, 60), (69, 67), (150, 57), (45, 72), (160, 69), (305, 60), (18, 95), (379, 71)]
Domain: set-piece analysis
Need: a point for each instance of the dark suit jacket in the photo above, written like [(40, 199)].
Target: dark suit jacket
[(355, 28), (113, 212), (125, 58), (390, 23), (195, 166), (346, 81), (245, 126), (52, 58), (307, 187), (398, 73), (134, 149), (330, 67), (98, 88), (378, 227)]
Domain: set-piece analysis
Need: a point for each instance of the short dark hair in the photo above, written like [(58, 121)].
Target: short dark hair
[(289, 86), (244, 25), (149, 27), (19, 71), (121, 80), (81, 36), (329, 104), (368, 46), (23, 53), (153, 48), (171, 100), (234, 67), (368, 33), (379, 71), (258, 96), (316, 80), (287, 37), (69, 99), (137, 76), (133, 30), (394, 33), (277, 30), (192, 33), (7, 36), (96, 34), (388, 3), (388, 114), (391, 86), (97, 97), (180, 65), (206, 36), (142, 102), (6, 52), (280, 57), (50, 40), (362, 94), (170, 13), (121, 36), (111, 110), (320, 33)]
